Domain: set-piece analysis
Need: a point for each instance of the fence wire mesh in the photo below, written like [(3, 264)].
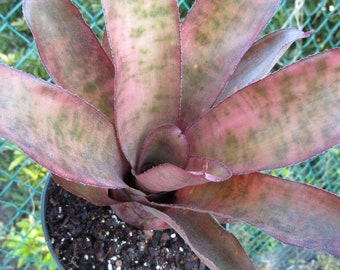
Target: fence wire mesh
[(21, 180)]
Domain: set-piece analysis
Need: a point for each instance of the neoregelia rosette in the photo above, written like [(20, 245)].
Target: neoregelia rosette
[(170, 122)]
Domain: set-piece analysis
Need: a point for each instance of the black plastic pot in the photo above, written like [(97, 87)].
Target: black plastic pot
[(44, 200)]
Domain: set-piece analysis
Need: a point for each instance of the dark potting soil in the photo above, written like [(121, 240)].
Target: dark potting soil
[(85, 236)]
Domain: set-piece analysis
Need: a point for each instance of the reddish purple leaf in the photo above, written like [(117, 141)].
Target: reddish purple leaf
[(140, 216), (168, 177), (211, 170), (144, 37), (292, 212), (71, 52), (165, 144), (286, 118), (215, 35), (216, 247), (260, 59), (106, 45), (59, 130), (96, 195)]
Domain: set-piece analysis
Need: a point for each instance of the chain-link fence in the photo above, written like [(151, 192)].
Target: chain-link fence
[(21, 180)]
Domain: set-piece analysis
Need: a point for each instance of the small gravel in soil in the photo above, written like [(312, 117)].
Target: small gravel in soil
[(85, 236)]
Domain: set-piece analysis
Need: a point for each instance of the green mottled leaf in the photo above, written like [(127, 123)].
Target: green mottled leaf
[(286, 118), (71, 52), (144, 38), (259, 59), (214, 36), (292, 212), (59, 130)]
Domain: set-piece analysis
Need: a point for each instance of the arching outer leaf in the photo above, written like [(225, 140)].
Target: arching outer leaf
[(140, 216), (216, 247), (286, 118), (259, 59), (168, 177), (96, 195), (70, 51), (214, 36), (144, 37), (58, 130), (292, 212)]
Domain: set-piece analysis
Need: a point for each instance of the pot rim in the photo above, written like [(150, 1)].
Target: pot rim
[(43, 202)]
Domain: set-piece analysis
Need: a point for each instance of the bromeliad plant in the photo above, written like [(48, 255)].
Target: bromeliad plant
[(170, 122)]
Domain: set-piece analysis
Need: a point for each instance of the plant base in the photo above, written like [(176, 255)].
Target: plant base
[(84, 236)]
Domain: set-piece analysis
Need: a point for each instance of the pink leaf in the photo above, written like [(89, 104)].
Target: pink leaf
[(286, 118), (292, 212), (215, 35), (106, 45), (211, 170), (165, 144), (216, 247), (71, 52), (96, 195), (259, 59), (144, 37), (140, 216), (168, 177), (59, 130)]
